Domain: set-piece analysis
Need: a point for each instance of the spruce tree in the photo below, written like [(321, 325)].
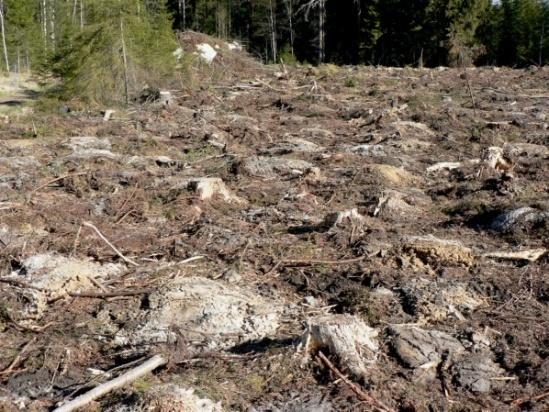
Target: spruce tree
[(125, 46)]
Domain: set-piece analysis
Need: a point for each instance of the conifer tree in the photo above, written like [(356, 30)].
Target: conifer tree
[(124, 46)]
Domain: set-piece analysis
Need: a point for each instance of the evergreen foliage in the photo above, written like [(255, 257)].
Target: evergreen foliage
[(106, 50)]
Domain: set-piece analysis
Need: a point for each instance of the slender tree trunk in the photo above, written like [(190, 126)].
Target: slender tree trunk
[(3, 23), (272, 30), (52, 24), (321, 30), (81, 14), (290, 12), (183, 13), (45, 25), (125, 61), (27, 58), (541, 40), (74, 7)]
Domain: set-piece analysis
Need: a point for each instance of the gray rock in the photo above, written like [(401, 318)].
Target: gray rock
[(417, 347), (476, 372), (21, 162), (518, 219), (271, 167)]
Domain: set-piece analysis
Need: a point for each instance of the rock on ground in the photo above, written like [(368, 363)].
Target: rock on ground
[(437, 300), (478, 372), (271, 167), (418, 347), (169, 398)]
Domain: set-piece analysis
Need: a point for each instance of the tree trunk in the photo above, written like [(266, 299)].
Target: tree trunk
[(3, 23), (272, 31), (52, 24), (321, 30), (125, 62), (81, 14), (74, 7), (290, 12), (45, 25), (541, 40)]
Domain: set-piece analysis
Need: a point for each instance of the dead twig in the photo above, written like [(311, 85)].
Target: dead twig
[(113, 384), (96, 230), (17, 359), (313, 262), (466, 76), (103, 295), (521, 401), (57, 179), (354, 387), (76, 238), (21, 284)]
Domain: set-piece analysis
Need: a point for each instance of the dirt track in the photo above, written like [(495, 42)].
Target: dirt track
[(333, 199)]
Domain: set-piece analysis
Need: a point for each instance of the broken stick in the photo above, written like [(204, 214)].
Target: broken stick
[(355, 388), (113, 384), (313, 262), (124, 258)]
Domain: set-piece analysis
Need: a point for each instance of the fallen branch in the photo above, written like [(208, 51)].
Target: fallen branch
[(124, 258), (17, 359), (57, 179), (113, 384), (521, 401), (313, 262), (354, 387), (102, 295), (21, 284)]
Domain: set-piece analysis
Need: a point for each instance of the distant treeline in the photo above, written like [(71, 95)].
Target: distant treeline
[(386, 32), (60, 35)]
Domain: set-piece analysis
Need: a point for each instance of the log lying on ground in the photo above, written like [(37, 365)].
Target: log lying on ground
[(113, 384)]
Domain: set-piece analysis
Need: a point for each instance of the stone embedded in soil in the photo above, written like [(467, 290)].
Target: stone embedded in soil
[(19, 162), (298, 402), (477, 372), (168, 397), (58, 275), (271, 167), (526, 150), (345, 336), (292, 145), (334, 220), (89, 147), (520, 219), (418, 347), (435, 251), (350, 216), (209, 314), (395, 203), (375, 150), (391, 176), (88, 142), (409, 128), (210, 187), (435, 301)]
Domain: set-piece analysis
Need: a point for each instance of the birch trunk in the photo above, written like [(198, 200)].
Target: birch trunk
[(125, 61), (3, 23), (272, 31)]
